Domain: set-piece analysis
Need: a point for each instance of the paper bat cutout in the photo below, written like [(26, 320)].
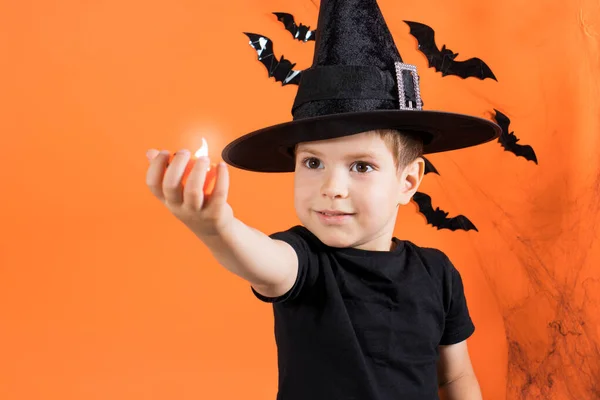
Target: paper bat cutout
[(282, 69), (439, 218), (509, 141), (429, 167), (444, 60), (301, 33)]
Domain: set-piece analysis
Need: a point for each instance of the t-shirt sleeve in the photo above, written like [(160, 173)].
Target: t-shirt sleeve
[(459, 325), (307, 265)]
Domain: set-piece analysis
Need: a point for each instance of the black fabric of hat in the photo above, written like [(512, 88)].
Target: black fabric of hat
[(357, 83)]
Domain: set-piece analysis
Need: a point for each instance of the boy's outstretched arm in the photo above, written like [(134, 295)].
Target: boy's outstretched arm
[(269, 265), (456, 378)]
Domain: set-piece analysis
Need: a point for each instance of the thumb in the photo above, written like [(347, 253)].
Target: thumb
[(221, 189), (150, 154)]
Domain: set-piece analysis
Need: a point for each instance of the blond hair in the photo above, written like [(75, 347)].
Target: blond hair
[(405, 148)]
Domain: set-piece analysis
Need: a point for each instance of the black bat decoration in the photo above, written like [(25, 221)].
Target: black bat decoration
[(282, 70), (301, 33), (429, 167), (444, 60), (439, 218), (508, 140)]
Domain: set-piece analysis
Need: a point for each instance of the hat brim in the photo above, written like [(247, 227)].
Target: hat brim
[(271, 149)]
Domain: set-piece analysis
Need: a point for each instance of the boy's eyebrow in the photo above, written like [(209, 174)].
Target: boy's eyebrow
[(354, 156), (309, 150)]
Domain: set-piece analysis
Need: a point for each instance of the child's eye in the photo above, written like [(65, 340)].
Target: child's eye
[(312, 163), (361, 167)]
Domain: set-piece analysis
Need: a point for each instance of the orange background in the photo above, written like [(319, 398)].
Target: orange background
[(105, 295)]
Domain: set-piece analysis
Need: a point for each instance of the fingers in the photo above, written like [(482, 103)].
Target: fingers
[(156, 169), (193, 192), (165, 178), (218, 197), (172, 186)]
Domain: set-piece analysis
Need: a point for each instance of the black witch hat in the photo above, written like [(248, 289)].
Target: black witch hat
[(357, 83)]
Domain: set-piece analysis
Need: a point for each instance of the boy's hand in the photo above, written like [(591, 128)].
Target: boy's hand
[(271, 266), (205, 214)]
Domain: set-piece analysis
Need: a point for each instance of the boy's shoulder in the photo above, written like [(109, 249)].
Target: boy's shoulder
[(429, 254), (439, 267), (435, 262)]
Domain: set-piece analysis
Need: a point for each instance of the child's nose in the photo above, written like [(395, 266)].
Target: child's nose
[(334, 186)]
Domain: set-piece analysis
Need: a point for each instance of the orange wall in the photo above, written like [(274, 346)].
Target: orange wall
[(104, 295)]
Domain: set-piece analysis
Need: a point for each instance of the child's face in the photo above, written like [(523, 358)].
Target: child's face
[(357, 176)]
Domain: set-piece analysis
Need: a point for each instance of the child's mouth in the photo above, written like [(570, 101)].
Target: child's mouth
[(333, 213), (333, 216)]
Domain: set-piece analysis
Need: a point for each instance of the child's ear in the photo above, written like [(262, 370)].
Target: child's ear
[(411, 179)]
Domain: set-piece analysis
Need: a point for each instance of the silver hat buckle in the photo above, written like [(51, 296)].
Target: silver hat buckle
[(406, 100)]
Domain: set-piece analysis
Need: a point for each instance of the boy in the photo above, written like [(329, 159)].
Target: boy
[(359, 314)]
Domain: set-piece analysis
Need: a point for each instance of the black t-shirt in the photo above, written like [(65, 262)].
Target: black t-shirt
[(366, 325)]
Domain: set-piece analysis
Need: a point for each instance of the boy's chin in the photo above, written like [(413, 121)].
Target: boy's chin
[(333, 237)]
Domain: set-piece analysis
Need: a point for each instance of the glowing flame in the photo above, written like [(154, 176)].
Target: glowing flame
[(203, 150)]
